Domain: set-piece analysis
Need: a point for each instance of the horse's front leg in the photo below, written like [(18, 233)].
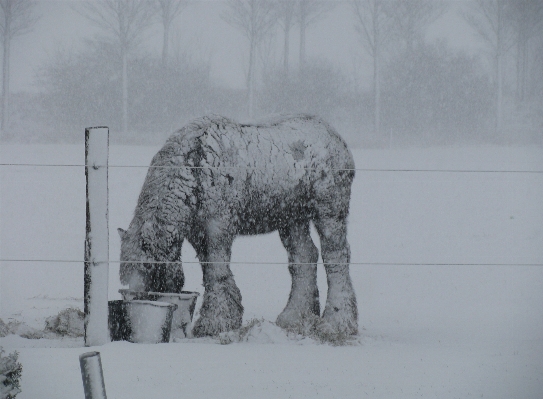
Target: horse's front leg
[(303, 300), (221, 307)]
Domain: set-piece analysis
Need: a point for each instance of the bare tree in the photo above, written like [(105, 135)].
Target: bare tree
[(527, 23), (373, 25), (255, 19), (286, 12), (17, 18), (309, 12), (489, 19), (535, 82), (125, 22), (169, 10), (412, 17)]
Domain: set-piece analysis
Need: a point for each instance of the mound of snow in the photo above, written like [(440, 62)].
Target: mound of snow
[(261, 332), (19, 328), (23, 330), (68, 322), (266, 332)]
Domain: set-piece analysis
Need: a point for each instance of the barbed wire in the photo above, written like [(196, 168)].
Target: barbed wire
[(276, 263), (267, 168)]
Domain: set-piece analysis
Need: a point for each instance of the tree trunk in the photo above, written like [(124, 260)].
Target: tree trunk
[(521, 52), (250, 78), (165, 43), (302, 34), (499, 92), (5, 80), (523, 63), (302, 47), (376, 72), (5, 85), (519, 95), (286, 48), (125, 90), (377, 93), (499, 72)]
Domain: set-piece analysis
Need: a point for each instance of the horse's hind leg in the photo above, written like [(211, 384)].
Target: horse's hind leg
[(302, 257), (340, 311)]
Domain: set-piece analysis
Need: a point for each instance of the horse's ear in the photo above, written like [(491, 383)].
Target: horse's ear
[(121, 232)]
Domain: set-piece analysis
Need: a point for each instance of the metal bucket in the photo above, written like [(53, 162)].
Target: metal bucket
[(119, 325), (131, 295), (182, 317), (150, 321), (185, 301)]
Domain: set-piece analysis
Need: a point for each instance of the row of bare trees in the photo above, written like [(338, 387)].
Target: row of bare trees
[(378, 22), (500, 24), (389, 31), (256, 19), (126, 22)]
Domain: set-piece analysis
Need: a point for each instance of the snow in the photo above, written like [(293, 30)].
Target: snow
[(258, 332), (266, 333), (426, 331)]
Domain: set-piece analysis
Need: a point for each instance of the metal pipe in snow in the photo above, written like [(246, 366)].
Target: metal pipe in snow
[(93, 376), (97, 236)]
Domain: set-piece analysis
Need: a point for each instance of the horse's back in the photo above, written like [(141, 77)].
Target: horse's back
[(307, 138), (292, 164)]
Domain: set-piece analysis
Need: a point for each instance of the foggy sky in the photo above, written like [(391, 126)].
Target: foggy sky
[(205, 36)]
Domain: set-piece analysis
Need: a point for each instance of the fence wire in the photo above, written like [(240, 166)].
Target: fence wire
[(262, 168), (266, 168), (273, 263)]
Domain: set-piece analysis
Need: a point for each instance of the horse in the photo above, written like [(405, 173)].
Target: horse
[(215, 179)]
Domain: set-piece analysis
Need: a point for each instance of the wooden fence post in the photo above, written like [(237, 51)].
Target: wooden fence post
[(97, 236)]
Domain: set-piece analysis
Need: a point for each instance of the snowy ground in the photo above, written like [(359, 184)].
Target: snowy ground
[(431, 331)]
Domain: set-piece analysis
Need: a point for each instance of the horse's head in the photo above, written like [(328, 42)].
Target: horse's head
[(151, 257)]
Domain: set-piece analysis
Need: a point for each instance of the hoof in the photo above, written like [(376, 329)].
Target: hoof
[(343, 321), (221, 311), (298, 322), (211, 327), (301, 310)]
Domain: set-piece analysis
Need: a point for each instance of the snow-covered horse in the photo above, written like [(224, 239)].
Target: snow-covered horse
[(215, 179)]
